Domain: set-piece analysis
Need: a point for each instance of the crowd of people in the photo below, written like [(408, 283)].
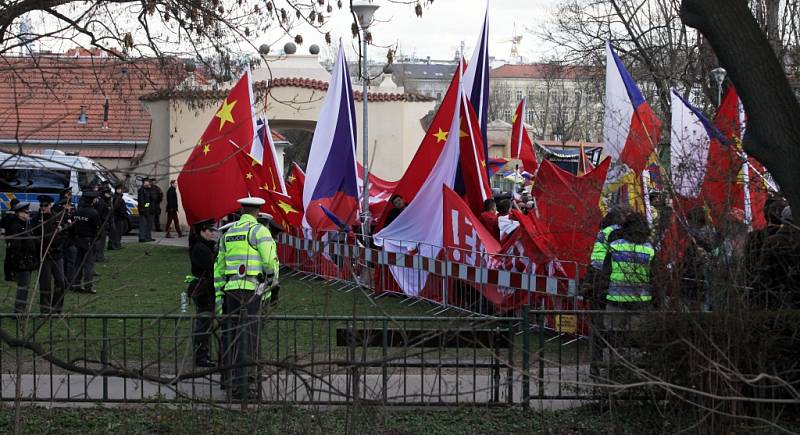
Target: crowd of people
[(65, 240), (62, 241)]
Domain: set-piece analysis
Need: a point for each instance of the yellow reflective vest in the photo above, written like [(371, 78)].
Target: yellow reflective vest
[(246, 251)]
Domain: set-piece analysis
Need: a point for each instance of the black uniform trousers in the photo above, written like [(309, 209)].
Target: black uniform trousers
[(202, 293), (23, 278), (7, 269), (240, 336), (51, 285), (115, 234), (70, 262), (100, 243), (84, 264)]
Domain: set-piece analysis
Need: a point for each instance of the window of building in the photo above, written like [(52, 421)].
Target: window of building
[(506, 114), (519, 94)]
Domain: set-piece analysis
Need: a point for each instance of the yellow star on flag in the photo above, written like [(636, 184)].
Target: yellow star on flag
[(441, 135), (286, 207), (249, 175), (265, 186), (206, 149), (290, 179), (514, 119), (462, 133), (225, 114)]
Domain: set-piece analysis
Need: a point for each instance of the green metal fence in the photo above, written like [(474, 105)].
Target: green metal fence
[(300, 360)]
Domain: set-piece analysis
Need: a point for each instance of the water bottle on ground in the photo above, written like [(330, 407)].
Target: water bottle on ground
[(184, 303)]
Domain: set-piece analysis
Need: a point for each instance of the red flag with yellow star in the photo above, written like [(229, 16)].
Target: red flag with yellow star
[(216, 173), (295, 183), (428, 151), (284, 210)]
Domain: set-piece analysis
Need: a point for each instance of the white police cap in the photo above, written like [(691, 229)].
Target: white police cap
[(251, 202)]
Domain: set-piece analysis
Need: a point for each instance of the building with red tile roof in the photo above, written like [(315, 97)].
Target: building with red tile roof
[(83, 101)]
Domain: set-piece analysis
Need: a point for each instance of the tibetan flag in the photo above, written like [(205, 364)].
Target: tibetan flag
[(476, 81), (271, 173), (584, 164), (213, 178), (331, 178), (495, 164), (690, 137), (521, 145), (630, 128)]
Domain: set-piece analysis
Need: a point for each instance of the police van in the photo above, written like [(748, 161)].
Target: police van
[(25, 177)]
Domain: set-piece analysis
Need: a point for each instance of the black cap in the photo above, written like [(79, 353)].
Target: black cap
[(207, 224), (21, 206), (44, 200), (65, 191), (89, 194)]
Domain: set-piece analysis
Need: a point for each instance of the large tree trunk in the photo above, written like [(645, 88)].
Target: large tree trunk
[(773, 129)]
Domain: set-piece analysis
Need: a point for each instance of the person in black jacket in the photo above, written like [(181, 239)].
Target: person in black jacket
[(85, 231), (172, 209), (22, 252), (119, 211), (8, 217), (202, 253), (49, 229), (146, 206), (103, 207), (158, 196)]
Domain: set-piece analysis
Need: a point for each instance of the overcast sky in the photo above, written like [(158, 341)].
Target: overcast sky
[(443, 25)]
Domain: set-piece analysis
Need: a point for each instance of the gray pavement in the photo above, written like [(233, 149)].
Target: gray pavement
[(329, 389), (160, 239)]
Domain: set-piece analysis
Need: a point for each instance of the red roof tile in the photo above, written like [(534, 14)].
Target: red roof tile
[(545, 71), (42, 96), (92, 153), (262, 86)]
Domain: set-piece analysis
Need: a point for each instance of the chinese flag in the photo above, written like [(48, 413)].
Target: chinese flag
[(284, 210), (429, 149), (294, 186), (217, 172)]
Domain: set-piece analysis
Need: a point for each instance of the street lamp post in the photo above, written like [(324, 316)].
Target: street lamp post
[(718, 74), (364, 11)]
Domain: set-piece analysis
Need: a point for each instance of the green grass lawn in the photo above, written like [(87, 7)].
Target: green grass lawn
[(145, 279), (148, 279)]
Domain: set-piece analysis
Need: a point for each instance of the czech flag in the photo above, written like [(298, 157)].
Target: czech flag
[(331, 179), (630, 128), (689, 141)]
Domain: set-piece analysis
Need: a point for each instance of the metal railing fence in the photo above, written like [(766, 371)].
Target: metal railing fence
[(305, 359)]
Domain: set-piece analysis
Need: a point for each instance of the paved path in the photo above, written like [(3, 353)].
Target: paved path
[(330, 389), (160, 237)]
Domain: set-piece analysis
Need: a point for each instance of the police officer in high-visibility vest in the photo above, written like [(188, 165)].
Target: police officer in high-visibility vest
[(595, 284), (245, 270), (627, 266)]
